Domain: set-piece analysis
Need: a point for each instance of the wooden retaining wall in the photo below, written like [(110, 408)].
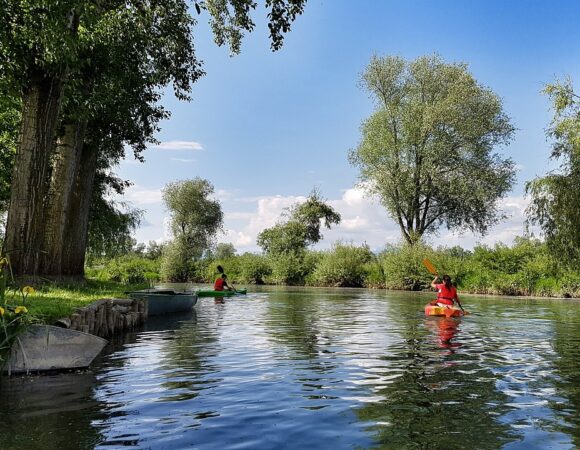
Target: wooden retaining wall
[(107, 317)]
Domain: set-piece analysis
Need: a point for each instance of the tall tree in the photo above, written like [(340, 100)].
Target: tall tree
[(195, 219), (132, 51), (49, 49), (555, 198), (427, 150), (38, 43)]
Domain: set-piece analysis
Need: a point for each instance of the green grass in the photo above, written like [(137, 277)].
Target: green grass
[(54, 301)]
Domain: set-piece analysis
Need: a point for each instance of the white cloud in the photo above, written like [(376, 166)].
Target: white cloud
[(364, 220), (142, 196), (238, 238), (179, 145)]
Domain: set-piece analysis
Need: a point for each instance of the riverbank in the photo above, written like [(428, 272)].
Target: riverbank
[(526, 268), (51, 302)]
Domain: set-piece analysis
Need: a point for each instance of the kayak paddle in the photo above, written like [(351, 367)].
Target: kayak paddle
[(430, 267)]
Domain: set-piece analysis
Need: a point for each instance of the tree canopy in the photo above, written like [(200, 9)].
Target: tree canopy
[(89, 75), (302, 227), (555, 198), (195, 217), (427, 150)]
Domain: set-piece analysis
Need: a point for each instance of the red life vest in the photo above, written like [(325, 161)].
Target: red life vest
[(446, 295), (219, 284)]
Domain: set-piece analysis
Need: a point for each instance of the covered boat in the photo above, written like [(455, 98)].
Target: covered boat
[(165, 301)]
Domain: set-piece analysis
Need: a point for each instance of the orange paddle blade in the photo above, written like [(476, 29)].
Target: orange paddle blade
[(430, 267)]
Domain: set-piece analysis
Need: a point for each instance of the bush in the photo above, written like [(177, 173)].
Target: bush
[(287, 268), (177, 265), (130, 269), (343, 266), (254, 269), (403, 266)]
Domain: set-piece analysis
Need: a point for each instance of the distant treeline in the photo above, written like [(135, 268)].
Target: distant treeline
[(524, 268)]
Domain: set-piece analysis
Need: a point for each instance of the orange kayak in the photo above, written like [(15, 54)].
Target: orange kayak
[(447, 311)]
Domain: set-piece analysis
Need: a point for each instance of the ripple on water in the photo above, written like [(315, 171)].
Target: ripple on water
[(323, 369)]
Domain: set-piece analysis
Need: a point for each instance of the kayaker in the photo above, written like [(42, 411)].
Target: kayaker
[(221, 283), (446, 292)]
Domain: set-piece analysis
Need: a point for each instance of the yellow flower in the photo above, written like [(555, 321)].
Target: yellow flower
[(1, 311), (20, 309), (3, 262), (28, 290)]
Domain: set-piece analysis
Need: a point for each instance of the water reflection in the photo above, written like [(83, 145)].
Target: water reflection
[(52, 411), (316, 368), (445, 329)]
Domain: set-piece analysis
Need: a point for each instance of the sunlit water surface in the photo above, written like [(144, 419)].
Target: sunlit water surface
[(318, 368)]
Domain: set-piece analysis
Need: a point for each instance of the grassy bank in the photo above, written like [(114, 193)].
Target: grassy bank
[(525, 268), (51, 302)]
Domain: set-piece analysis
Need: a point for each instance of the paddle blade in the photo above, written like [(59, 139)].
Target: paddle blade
[(220, 269), (430, 267)]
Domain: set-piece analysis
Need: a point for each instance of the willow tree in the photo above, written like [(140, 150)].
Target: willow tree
[(195, 219), (286, 243), (427, 151), (555, 197)]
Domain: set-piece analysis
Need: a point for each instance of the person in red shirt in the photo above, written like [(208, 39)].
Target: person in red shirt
[(446, 292), (221, 283)]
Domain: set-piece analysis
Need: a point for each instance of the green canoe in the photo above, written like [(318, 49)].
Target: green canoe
[(212, 293)]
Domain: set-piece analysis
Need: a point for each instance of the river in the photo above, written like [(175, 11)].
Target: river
[(317, 368)]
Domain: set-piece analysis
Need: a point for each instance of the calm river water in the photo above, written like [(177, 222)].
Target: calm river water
[(318, 368)]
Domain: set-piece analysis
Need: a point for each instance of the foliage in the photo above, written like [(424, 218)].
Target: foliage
[(224, 251), (110, 228), (403, 267), (177, 265), (345, 265), (254, 268), (555, 198), (154, 250), (286, 243), (229, 19), (9, 123), (129, 268), (195, 219), (302, 228), (109, 63), (287, 268), (427, 149), (14, 316)]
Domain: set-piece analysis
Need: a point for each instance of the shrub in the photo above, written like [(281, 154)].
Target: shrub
[(403, 266), (254, 268), (343, 266), (130, 269), (287, 268)]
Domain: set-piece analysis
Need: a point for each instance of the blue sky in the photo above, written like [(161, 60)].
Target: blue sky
[(265, 128)]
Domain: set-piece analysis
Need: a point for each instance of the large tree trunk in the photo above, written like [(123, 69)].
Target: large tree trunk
[(77, 223), (27, 211), (66, 164)]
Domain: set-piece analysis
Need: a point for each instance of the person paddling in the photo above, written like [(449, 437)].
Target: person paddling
[(221, 283), (446, 292)]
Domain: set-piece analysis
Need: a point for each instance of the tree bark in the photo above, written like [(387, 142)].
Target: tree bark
[(66, 164), (77, 223), (27, 212)]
